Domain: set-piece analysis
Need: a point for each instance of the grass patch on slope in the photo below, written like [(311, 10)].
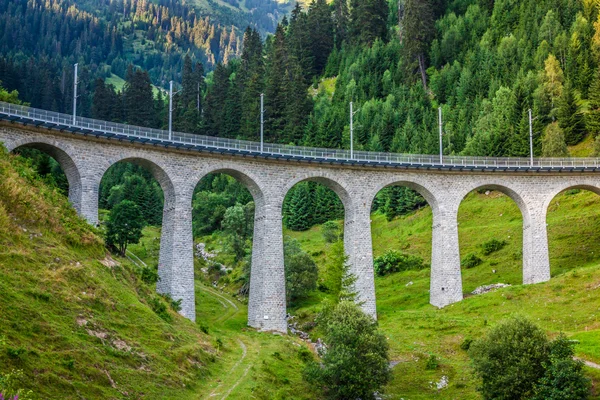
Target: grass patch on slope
[(79, 328)]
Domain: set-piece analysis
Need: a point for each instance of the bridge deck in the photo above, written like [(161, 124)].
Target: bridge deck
[(185, 141)]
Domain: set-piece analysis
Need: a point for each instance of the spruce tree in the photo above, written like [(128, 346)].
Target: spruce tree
[(320, 28), (569, 116), (341, 20), (250, 84), (276, 88), (418, 32), (139, 98), (368, 20), (593, 116), (299, 218)]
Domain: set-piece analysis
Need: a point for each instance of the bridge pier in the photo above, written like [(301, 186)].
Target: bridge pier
[(446, 280), (358, 245), (267, 305), (176, 259), (536, 259)]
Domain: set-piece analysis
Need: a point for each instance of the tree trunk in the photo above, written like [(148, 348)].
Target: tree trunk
[(421, 58), (400, 20)]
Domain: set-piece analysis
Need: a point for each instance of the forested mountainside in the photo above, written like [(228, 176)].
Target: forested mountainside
[(40, 40)]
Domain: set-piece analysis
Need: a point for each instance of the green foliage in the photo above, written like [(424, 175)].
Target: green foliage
[(9, 97), (570, 118), (510, 359), (158, 305), (564, 378), (149, 275), (471, 260), (238, 224), (394, 261), (553, 142), (124, 226), (301, 272), (331, 231), (492, 246), (432, 362), (356, 361), (10, 386)]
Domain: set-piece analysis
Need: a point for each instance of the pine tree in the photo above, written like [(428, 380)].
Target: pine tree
[(320, 28), (299, 217), (418, 32), (276, 87), (368, 20), (139, 99), (593, 116), (215, 101), (299, 42), (341, 20), (250, 83), (553, 142), (570, 118)]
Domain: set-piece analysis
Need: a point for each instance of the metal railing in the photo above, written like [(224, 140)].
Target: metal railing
[(296, 152)]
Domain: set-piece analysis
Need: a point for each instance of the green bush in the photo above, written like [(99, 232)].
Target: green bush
[(149, 275), (564, 378), (159, 307), (492, 246), (432, 362), (331, 232), (471, 261), (393, 261), (356, 363), (510, 359)]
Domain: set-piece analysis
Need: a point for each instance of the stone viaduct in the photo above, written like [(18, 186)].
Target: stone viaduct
[(85, 155)]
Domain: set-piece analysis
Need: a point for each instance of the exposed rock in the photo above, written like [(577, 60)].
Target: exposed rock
[(489, 288)]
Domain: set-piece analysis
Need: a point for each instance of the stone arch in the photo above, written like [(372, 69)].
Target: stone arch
[(62, 155), (578, 247), (423, 190), (246, 178), (569, 185), (533, 261), (329, 181), (154, 166)]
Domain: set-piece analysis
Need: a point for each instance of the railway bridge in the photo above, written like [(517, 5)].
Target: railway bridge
[(87, 148)]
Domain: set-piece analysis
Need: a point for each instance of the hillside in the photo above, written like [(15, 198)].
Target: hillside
[(80, 324), (416, 330)]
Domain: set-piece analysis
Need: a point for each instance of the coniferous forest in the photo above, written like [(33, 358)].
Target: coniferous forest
[(486, 63)]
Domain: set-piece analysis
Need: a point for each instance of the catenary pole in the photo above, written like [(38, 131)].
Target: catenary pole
[(75, 77), (262, 122), (441, 135), (530, 138), (351, 130)]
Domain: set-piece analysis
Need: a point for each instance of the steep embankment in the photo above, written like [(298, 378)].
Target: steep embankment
[(569, 303), (78, 324)]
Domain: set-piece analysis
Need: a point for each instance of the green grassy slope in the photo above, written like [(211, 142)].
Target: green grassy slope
[(76, 327), (569, 303), (80, 324)]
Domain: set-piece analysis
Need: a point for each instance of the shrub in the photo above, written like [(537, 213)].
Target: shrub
[(149, 275), (492, 246), (466, 344), (331, 232), (510, 359), (393, 261), (9, 386), (356, 362), (564, 378), (301, 271), (432, 362), (471, 261), (159, 307)]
